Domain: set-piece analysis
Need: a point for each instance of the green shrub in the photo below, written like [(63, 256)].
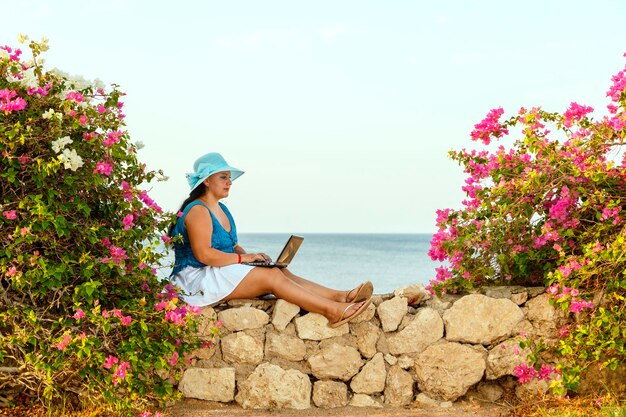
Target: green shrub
[(547, 208), (83, 315)]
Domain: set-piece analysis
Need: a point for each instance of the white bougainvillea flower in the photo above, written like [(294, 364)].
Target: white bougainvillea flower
[(60, 143), (21, 38), (4, 55), (43, 45), (48, 115), (71, 160), (29, 78)]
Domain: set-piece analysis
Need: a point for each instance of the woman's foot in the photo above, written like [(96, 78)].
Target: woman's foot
[(361, 293), (350, 312)]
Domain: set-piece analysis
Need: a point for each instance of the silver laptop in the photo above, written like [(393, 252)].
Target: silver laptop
[(286, 255)]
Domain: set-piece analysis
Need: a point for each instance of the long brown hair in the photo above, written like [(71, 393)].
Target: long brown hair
[(193, 195)]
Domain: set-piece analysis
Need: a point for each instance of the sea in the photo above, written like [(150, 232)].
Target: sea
[(342, 261)]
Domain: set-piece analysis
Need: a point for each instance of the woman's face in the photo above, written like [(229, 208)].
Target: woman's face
[(219, 184)]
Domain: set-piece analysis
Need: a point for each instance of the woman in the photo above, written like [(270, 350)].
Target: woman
[(208, 259)]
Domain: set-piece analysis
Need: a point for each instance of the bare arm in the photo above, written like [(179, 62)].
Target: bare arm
[(200, 229)]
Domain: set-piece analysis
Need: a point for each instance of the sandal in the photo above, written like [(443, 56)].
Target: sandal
[(363, 292), (344, 320)]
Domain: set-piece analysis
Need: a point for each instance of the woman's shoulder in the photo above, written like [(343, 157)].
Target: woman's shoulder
[(196, 208)]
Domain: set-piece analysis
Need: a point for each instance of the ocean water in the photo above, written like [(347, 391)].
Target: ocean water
[(342, 261)]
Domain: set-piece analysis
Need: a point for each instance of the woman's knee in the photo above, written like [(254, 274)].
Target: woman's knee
[(275, 277)]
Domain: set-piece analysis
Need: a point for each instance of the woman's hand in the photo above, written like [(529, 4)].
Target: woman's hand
[(255, 257)]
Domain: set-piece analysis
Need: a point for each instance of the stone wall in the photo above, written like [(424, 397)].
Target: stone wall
[(407, 346)]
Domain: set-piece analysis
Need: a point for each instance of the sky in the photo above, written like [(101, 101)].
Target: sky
[(341, 113)]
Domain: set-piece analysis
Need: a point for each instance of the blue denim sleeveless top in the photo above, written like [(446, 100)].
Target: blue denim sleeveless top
[(220, 239)]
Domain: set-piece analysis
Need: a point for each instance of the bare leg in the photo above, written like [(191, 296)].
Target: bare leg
[(273, 280), (318, 289)]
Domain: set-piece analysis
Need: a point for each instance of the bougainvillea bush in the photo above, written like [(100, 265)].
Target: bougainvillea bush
[(83, 316), (545, 206)]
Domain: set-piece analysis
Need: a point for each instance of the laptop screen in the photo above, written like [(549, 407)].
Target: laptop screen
[(290, 249)]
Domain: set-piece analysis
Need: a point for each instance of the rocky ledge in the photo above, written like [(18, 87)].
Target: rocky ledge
[(408, 346)]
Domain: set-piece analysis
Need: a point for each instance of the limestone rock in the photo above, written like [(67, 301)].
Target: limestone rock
[(406, 361), (242, 318), (362, 400), (504, 357), (344, 340), (398, 387), (543, 316), (241, 348), (391, 313), (284, 346), (489, 391), (330, 394), (390, 359), (260, 303), (425, 329), (301, 366), (519, 298), (283, 313), (371, 379), (414, 294), (446, 371), (422, 398), (314, 326), (206, 321), (336, 362), (367, 335), (271, 387), (209, 384), (479, 319), (205, 352), (540, 309)]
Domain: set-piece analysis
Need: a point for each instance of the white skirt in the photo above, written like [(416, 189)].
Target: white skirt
[(210, 284)]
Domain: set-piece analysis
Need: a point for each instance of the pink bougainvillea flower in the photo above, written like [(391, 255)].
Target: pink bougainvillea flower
[(63, 343), (563, 331), (174, 317), (128, 221), (9, 102), (120, 372), (524, 373), (126, 320), (545, 371), (579, 305), (166, 239), (11, 214), (489, 127), (74, 96), (103, 168), (174, 359), (110, 362), (80, 314), (575, 112), (117, 254), (14, 55), (112, 137)]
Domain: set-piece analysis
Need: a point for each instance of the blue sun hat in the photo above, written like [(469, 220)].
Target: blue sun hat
[(209, 164)]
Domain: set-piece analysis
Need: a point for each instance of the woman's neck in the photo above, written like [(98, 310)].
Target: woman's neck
[(209, 200)]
